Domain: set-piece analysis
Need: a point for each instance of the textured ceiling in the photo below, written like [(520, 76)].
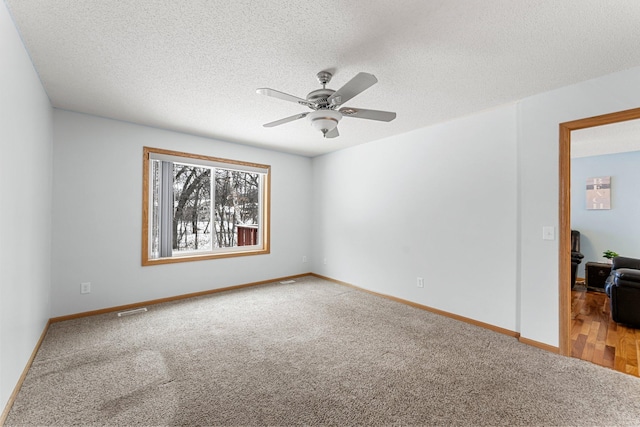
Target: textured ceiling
[(608, 139), (193, 66)]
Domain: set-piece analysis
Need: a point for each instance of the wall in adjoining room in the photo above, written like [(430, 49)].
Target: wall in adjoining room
[(618, 228)]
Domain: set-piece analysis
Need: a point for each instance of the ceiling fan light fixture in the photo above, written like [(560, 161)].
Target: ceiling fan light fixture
[(324, 120)]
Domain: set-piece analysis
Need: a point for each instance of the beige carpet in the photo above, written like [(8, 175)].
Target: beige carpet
[(308, 353)]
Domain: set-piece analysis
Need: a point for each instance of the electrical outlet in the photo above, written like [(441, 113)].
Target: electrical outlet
[(85, 287), (325, 261), (304, 259), (420, 282)]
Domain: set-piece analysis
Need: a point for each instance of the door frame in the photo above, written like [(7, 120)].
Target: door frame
[(564, 279)]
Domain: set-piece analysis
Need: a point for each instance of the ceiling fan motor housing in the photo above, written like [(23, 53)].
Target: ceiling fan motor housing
[(320, 97)]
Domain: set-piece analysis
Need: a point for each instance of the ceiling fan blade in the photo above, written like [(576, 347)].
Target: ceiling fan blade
[(281, 95), (285, 120), (332, 133), (355, 86), (361, 113)]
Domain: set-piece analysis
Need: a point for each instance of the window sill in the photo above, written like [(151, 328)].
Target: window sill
[(201, 257)]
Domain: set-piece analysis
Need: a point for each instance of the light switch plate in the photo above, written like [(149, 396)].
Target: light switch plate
[(548, 233)]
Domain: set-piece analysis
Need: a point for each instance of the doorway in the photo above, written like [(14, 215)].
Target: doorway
[(564, 278)]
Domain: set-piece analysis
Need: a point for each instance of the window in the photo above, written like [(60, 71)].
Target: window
[(198, 207)]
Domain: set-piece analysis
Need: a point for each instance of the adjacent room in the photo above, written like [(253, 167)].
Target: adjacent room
[(604, 174), (227, 186)]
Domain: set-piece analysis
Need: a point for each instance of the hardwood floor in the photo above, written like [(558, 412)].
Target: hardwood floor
[(597, 338)]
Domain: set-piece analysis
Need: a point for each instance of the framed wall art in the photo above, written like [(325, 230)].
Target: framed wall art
[(599, 193)]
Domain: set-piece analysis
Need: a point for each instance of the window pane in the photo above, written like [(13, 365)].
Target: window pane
[(237, 208), (192, 208)]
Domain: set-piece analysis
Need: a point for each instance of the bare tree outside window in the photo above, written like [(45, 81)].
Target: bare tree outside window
[(237, 203), (192, 208)]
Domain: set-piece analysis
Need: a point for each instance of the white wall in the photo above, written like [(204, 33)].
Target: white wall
[(438, 203), (97, 216), (25, 210), (462, 204), (539, 118), (618, 228)]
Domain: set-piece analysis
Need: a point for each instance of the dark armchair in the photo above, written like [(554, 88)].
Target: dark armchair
[(623, 288), (576, 256)]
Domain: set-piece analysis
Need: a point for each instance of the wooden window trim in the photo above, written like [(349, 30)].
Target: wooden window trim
[(266, 211)]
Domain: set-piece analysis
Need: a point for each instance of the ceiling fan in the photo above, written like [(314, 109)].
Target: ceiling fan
[(327, 104)]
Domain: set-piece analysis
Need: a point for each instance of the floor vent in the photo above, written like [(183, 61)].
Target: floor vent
[(286, 282), (130, 312)]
